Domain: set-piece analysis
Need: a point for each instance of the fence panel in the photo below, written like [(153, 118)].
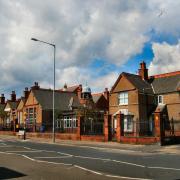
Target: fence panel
[(143, 128)]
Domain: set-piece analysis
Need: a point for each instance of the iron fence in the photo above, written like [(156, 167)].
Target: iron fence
[(138, 128), (92, 127)]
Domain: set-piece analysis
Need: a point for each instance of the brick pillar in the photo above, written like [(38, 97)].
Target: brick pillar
[(157, 118), (79, 117), (106, 127), (119, 118), (158, 126)]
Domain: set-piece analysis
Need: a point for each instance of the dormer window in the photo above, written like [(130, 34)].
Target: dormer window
[(123, 98), (160, 99)]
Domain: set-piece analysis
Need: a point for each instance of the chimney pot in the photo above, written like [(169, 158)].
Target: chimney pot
[(26, 92), (2, 99), (36, 86), (13, 96), (143, 71)]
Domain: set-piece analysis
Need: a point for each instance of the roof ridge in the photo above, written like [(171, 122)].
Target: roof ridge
[(169, 74), (97, 94)]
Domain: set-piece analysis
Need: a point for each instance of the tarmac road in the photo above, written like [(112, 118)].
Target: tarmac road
[(98, 162)]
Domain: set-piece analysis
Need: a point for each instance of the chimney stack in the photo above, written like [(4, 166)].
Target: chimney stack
[(2, 99), (36, 86), (13, 96), (143, 71), (106, 94), (79, 91), (26, 92), (65, 87)]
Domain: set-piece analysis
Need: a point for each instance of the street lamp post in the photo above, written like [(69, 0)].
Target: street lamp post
[(54, 46)]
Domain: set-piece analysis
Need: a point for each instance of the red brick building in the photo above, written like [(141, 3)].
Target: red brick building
[(10, 108), (139, 97)]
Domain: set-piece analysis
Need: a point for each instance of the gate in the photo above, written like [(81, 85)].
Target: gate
[(170, 132), (92, 124)]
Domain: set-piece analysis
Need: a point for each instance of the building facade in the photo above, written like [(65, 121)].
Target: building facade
[(139, 97)]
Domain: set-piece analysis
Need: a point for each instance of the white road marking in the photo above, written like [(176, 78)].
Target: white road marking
[(3, 144), (164, 168), (6, 146), (100, 148), (56, 163), (24, 151), (123, 177), (28, 157), (85, 169), (85, 157), (133, 164), (66, 154), (58, 157)]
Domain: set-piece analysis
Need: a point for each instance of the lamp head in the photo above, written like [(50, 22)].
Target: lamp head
[(34, 39)]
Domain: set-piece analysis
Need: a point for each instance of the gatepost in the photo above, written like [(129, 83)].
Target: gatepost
[(158, 126), (119, 131), (106, 126)]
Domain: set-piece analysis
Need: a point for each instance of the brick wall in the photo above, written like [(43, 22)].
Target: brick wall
[(92, 138), (139, 140)]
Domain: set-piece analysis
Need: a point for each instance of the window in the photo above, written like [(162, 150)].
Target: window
[(31, 115), (70, 121), (160, 99), (123, 98), (128, 123)]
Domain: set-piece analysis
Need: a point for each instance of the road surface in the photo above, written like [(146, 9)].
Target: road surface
[(65, 161)]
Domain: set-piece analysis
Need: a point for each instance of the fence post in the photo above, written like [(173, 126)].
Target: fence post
[(106, 127)]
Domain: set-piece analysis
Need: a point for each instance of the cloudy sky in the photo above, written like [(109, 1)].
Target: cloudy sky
[(96, 40)]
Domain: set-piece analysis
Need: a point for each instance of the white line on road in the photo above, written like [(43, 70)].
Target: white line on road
[(58, 157), (133, 164), (24, 151), (28, 157), (123, 177), (3, 144), (85, 157), (100, 148), (164, 168), (6, 146), (66, 154), (85, 169)]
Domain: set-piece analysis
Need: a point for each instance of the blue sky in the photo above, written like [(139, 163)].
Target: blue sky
[(95, 42)]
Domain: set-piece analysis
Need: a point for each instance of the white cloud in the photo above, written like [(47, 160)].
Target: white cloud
[(82, 30), (75, 75), (166, 58)]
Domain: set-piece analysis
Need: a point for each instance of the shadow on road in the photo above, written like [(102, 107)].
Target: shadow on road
[(6, 173)]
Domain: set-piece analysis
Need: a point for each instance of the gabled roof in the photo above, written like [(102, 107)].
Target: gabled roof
[(96, 97), (71, 88), (136, 81), (166, 84), (140, 84), (23, 99), (2, 106), (62, 99), (13, 104)]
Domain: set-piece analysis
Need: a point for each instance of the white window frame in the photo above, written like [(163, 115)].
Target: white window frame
[(160, 96), (128, 127), (70, 121), (123, 98)]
